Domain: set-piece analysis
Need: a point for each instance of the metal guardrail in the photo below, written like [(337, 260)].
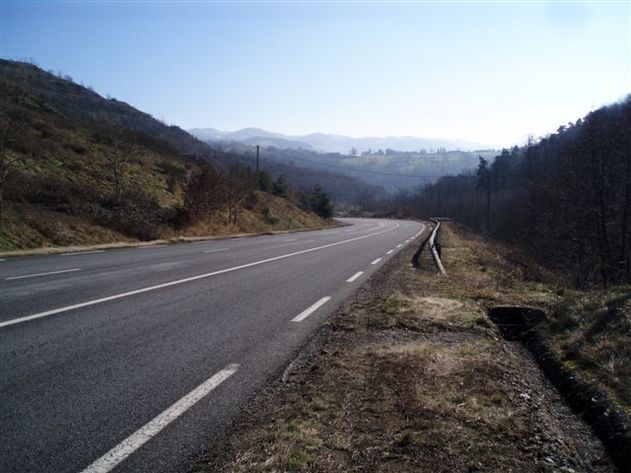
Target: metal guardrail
[(435, 248)]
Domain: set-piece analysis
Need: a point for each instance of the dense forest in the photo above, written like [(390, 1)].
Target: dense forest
[(565, 199)]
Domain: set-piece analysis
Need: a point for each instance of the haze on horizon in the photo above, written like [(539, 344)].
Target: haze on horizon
[(486, 72)]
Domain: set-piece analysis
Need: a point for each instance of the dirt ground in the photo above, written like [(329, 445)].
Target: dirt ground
[(411, 375)]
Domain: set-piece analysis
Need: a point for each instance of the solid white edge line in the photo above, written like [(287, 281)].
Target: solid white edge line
[(355, 276), (75, 253), (136, 440), (185, 280), (376, 261), (310, 310), (214, 251), (389, 252), (42, 274), (146, 247)]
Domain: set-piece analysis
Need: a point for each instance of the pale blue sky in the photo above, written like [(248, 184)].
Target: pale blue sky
[(489, 72)]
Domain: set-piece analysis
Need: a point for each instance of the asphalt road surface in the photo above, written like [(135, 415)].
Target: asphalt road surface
[(135, 359)]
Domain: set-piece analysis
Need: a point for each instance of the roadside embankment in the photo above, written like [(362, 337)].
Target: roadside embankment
[(31, 231), (411, 375)]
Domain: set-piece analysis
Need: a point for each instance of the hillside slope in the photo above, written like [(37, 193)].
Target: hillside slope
[(87, 109), (81, 105), (81, 169), (565, 199)]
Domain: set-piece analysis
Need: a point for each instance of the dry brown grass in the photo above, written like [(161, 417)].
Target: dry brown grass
[(271, 213), (592, 334), (32, 227), (29, 229), (590, 330)]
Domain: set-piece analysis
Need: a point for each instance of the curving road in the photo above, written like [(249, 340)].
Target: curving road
[(134, 359)]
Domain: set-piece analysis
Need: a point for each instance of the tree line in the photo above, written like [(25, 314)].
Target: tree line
[(565, 199)]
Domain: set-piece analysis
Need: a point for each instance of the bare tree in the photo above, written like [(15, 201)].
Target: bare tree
[(124, 148), (239, 183), (205, 194)]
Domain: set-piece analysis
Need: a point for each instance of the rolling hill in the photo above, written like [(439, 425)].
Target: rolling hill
[(79, 168), (330, 143)]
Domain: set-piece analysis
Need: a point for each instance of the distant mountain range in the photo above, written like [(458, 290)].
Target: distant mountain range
[(327, 143)]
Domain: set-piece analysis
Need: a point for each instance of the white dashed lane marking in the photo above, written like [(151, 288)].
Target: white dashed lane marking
[(43, 274), (310, 310), (120, 452), (355, 276)]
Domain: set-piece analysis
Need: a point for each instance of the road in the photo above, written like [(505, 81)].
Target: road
[(135, 359)]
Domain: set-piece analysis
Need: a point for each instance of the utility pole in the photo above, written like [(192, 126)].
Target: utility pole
[(257, 159)]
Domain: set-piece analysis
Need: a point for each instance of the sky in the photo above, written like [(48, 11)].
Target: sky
[(489, 72)]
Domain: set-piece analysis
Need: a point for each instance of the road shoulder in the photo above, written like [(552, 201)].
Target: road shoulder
[(410, 375)]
